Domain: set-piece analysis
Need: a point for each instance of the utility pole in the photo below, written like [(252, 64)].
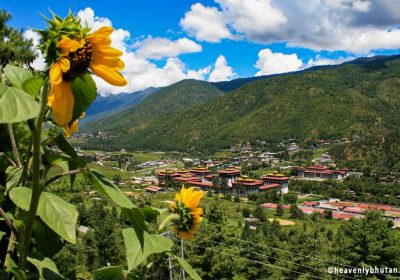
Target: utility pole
[(182, 255)]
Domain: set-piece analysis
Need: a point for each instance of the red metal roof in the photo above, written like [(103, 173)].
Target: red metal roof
[(201, 184), (310, 203), (186, 179), (343, 216), (265, 187), (229, 172), (269, 205), (354, 210), (271, 177)]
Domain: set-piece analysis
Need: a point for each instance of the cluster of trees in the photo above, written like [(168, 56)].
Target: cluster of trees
[(366, 189), (223, 251)]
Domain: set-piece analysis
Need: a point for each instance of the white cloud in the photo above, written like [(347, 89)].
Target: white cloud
[(356, 26), (269, 63), (38, 63), (222, 71), (205, 23), (158, 48), (274, 63)]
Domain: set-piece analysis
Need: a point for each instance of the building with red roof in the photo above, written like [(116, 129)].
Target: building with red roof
[(203, 185), (310, 203), (244, 186), (322, 172), (154, 189), (354, 210), (277, 178), (230, 174), (200, 172)]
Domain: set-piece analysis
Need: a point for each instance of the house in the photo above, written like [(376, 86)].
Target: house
[(311, 203), (322, 172), (203, 185), (244, 186), (200, 172), (277, 178), (230, 174), (154, 189), (325, 159)]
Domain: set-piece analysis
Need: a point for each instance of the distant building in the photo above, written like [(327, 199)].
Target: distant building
[(244, 185), (230, 174), (325, 159), (277, 178), (200, 172), (322, 172), (154, 189), (293, 148)]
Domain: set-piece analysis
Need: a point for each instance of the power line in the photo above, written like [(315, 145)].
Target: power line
[(242, 249), (250, 260), (298, 254)]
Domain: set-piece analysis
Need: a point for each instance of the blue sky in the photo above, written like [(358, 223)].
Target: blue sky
[(166, 41)]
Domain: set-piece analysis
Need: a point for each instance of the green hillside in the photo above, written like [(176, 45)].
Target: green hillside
[(170, 99), (359, 99)]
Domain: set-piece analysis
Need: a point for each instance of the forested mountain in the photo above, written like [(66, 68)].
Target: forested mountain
[(105, 106), (170, 99)]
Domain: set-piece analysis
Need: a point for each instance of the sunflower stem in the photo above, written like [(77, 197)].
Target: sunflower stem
[(36, 188)]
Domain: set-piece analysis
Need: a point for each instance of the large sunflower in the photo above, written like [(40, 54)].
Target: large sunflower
[(185, 205), (76, 56)]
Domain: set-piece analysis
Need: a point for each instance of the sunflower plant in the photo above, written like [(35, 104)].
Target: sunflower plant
[(49, 103)]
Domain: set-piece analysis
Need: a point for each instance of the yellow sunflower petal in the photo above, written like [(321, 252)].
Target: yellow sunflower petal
[(61, 102), (68, 45), (113, 63), (64, 64), (102, 31), (107, 51), (55, 73), (71, 129), (110, 76), (103, 42)]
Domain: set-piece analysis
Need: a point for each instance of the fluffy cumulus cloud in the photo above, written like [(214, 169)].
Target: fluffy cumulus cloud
[(356, 26), (39, 62), (274, 63), (269, 62), (158, 48), (221, 71), (205, 23)]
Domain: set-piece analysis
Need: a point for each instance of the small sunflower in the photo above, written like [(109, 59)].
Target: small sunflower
[(76, 56), (185, 205)]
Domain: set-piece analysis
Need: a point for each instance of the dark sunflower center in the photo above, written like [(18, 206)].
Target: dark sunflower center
[(79, 62)]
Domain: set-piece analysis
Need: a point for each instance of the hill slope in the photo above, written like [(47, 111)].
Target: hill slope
[(169, 99), (360, 99), (105, 106)]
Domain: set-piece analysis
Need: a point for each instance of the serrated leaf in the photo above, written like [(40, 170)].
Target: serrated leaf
[(47, 269), (188, 268), (33, 85), (153, 244), (55, 212), (85, 92), (109, 273), (17, 75), (13, 177), (16, 105), (107, 188)]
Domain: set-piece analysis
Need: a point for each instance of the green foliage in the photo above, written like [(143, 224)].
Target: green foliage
[(136, 254), (13, 46), (59, 215), (16, 105), (85, 92)]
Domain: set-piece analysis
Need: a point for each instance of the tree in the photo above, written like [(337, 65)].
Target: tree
[(328, 214), (295, 212), (290, 198), (246, 212), (216, 212), (259, 213), (13, 46), (279, 210)]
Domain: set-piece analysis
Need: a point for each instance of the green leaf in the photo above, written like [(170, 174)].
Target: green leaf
[(150, 214), (47, 269), (67, 148), (85, 92), (33, 85), (107, 188), (109, 273), (16, 105), (13, 177), (188, 268), (55, 212), (47, 242), (17, 75), (136, 217), (153, 244), (2, 233)]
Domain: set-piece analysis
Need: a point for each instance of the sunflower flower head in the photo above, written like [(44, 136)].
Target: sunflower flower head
[(185, 205), (71, 52)]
